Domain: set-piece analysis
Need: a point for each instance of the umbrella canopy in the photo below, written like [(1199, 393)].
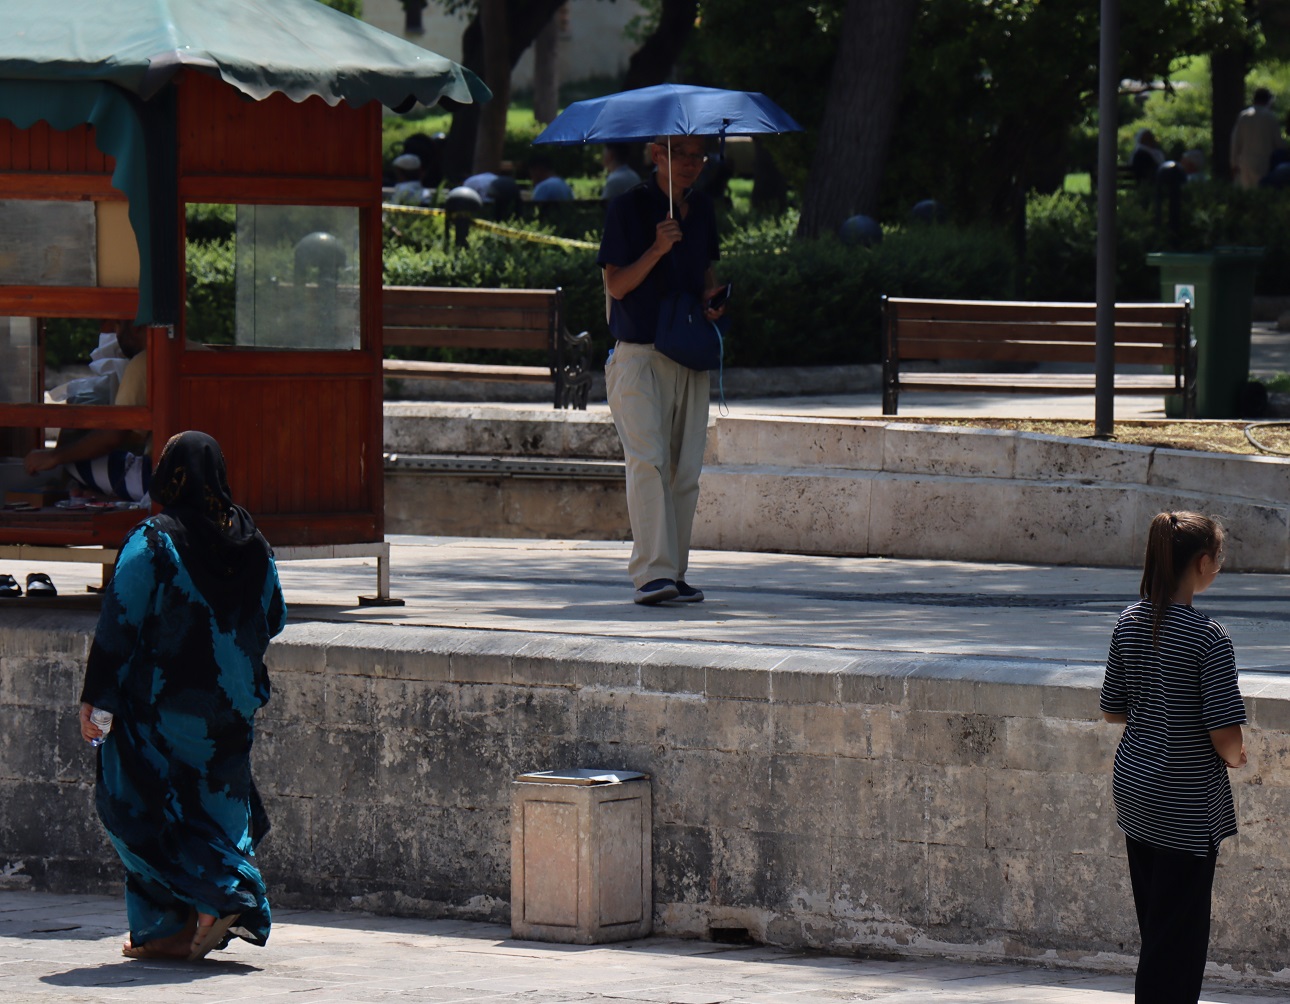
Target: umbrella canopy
[(300, 48), (667, 110)]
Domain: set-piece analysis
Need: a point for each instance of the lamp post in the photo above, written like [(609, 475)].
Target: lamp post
[(1107, 122)]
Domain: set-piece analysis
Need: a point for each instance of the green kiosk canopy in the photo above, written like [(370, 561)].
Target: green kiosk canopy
[(106, 63)]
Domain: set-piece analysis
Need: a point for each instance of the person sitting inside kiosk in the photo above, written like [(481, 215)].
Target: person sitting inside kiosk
[(110, 462)]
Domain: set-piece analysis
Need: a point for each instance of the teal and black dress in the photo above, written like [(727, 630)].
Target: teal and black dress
[(178, 658)]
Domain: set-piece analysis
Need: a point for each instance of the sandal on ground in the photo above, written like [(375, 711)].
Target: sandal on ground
[(39, 584), (150, 951), (9, 587), (209, 936)]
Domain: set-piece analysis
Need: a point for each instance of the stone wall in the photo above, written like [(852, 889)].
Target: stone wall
[(909, 490), (890, 803)]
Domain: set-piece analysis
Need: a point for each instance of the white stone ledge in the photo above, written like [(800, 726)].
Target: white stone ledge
[(823, 510)]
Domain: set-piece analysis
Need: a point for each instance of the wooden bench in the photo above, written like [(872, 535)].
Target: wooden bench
[(1007, 331), (449, 318)]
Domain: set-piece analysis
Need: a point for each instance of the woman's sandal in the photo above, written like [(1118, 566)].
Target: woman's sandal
[(209, 936), (9, 587)]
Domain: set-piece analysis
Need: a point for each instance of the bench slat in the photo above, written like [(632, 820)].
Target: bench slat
[(452, 317), (1152, 334), (407, 368), (467, 338), (986, 332), (1019, 351), (451, 296), (1030, 383), (1020, 310), (442, 316)]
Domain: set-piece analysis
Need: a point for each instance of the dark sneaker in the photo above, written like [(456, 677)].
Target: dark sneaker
[(656, 592), (688, 594)]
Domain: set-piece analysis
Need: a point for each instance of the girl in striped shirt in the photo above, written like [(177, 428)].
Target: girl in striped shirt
[(1171, 681)]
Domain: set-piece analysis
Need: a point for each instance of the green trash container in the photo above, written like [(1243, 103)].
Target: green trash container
[(1220, 285)]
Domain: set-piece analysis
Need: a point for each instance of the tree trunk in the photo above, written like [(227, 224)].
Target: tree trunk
[(497, 75), (652, 63), (1227, 70), (459, 148), (859, 114), (524, 19), (412, 22), (770, 187), (546, 69)]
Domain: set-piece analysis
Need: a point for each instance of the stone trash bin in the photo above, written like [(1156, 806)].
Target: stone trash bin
[(581, 856)]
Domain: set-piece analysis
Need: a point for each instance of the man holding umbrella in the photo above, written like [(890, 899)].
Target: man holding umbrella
[(660, 236), (660, 242)]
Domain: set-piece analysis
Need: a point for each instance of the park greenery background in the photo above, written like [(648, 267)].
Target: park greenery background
[(994, 117)]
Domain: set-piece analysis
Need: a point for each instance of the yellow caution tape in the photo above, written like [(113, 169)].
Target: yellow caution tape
[(495, 228), (414, 210)]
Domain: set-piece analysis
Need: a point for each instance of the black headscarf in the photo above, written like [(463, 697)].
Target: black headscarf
[(226, 556)]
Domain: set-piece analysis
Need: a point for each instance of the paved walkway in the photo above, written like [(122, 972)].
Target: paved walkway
[(950, 609), (66, 949)]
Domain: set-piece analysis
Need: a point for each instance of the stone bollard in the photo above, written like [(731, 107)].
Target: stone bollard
[(581, 856)]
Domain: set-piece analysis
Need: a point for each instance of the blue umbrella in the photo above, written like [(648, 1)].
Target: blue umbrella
[(667, 110)]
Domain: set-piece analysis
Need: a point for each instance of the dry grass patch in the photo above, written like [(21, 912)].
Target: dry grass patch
[(1208, 436)]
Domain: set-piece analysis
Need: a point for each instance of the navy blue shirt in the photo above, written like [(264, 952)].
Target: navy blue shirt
[(629, 231)]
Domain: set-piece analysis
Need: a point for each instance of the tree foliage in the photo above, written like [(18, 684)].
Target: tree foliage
[(784, 50), (991, 90), (354, 8)]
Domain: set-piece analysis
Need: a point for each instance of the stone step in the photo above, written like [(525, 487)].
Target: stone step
[(954, 451), (816, 510)]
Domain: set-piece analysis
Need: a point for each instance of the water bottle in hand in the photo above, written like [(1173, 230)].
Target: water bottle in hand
[(103, 720)]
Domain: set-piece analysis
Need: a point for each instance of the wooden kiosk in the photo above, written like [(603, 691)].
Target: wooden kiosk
[(101, 190)]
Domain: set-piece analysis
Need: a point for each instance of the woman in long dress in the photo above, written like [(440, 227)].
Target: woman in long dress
[(178, 658)]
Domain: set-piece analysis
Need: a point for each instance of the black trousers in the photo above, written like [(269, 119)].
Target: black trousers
[(1171, 891)]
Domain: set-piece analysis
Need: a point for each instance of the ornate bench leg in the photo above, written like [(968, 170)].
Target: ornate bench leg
[(573, 383)]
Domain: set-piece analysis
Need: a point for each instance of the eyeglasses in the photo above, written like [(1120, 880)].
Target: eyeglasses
[(693, 158)]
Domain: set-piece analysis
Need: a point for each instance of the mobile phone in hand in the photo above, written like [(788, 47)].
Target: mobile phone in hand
[(719, 298)]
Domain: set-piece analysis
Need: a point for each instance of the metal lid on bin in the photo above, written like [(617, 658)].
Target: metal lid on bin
[(580, 775), (1215, 256)]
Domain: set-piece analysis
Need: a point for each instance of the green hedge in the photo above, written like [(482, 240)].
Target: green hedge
[(819, 303), (209, 311), (795, 303), (812, 303), (1061, 238), (799, 302)]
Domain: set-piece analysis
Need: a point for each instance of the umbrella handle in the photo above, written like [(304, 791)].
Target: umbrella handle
[(669, 178)]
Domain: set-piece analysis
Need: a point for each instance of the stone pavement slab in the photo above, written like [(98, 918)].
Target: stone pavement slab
[(849, 605), (66, 949)]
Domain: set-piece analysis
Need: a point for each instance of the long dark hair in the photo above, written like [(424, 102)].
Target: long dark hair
[(1173, 542)]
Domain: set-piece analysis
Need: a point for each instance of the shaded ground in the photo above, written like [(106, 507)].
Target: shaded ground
[(1209, 436)]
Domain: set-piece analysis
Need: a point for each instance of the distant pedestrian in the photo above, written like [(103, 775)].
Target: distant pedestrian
[(620, 177), (1146, 156), (547, 185), (1255, 136), (408, 190), (1171, 681)]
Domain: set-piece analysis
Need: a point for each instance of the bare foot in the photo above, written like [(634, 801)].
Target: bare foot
[(174, 946)]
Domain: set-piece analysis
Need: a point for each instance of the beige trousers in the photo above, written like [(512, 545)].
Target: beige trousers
[(660, 409)]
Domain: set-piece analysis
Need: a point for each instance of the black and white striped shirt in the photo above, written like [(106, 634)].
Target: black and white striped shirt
[(1170, 786)]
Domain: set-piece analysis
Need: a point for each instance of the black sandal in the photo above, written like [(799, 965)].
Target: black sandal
[(9, 587), (38, 584)]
